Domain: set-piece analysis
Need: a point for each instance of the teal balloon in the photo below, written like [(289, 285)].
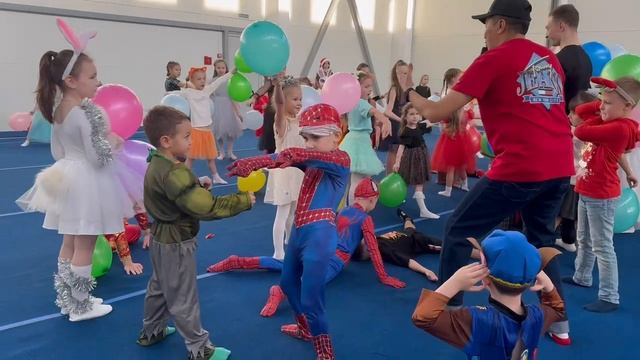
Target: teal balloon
[(241, 65), (623, 65), (626, 215), (265, 48), (393, 190), (102, 257), (239, 88), (599, 55), (177, 102)]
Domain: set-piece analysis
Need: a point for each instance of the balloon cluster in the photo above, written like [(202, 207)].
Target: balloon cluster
[(612, 62)]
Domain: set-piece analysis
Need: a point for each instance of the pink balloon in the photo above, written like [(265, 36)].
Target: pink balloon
[(20, 121), (123, 108), (342, 91)]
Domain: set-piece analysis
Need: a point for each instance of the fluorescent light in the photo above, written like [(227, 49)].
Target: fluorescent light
[(410, 9), (392, 15), (319, 10), (264, 8), (223, 5)]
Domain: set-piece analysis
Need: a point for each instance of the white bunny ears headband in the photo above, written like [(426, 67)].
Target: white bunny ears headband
[(78, 43)]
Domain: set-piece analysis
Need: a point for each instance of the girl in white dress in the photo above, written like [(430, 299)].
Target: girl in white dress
[(79, 194), (283, 185)]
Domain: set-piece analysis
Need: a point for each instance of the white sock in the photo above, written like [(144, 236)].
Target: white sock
[(424, 212), (446, 192), (83, 272), (279, 229), (355, 180)]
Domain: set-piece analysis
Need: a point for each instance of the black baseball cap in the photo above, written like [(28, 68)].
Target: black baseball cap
[(513, 9)]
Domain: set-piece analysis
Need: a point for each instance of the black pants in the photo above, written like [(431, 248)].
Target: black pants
[(486, 205)]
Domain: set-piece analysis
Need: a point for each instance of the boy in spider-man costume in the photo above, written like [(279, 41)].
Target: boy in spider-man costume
[(353, 223), (314, 238)]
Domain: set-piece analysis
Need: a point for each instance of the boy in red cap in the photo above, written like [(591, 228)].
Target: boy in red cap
[(506, 329), (314, 237), (609, 132)]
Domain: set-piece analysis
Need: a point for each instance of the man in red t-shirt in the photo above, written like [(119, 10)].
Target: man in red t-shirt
[(519, 87)]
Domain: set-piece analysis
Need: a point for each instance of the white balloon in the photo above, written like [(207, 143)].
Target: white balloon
[(253, 120), (617, 50), (309, 97)]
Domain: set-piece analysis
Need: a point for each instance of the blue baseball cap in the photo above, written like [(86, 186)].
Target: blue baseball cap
[(511, 260)]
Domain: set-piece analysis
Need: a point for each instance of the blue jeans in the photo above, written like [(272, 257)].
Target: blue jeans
[(487, 204), (595, 242)]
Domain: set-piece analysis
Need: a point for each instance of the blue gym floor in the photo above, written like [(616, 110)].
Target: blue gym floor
[(368, 320)]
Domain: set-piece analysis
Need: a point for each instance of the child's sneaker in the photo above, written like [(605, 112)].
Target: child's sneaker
[(143, 340), (211, 353), (560, 338), (216, 179), (568, 247)]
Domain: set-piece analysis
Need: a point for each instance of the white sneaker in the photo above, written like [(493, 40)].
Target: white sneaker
[(25, 143), (216, 179), (429, 215), (568, 247), (220, 157), (94, 300), (98, 310)]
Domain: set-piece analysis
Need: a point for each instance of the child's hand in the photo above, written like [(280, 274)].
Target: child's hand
[(430, 274), (632, 181), (115, 141), (393, 282), (206, 182), (252, 198), (396, 166), (147, 240), (133, 268), (542, 283), (466, 278)]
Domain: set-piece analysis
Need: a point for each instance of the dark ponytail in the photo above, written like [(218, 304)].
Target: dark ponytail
[(52, 65)]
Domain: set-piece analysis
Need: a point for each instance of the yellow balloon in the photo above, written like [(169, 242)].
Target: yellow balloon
[(252, 183)]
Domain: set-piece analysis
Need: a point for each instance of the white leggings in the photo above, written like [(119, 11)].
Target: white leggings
[(282, 228)]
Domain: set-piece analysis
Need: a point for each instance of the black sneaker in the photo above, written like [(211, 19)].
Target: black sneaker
[(403, 215)]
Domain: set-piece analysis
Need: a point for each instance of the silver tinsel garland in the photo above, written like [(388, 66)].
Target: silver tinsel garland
[(99, 128)]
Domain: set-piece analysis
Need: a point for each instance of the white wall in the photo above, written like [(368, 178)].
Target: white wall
[(144, 73), (610, 22)]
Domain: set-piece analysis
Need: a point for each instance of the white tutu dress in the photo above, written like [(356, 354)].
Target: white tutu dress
[(80, 194), (283, 185)]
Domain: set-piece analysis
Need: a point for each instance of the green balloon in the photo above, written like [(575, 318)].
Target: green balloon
[(239, 88), (623, 65), (485, 147), (102, 257), (393, 190), (241, 65)]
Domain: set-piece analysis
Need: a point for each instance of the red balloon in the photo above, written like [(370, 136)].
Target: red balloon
[(122, 107), (475, 138), (20, 121)]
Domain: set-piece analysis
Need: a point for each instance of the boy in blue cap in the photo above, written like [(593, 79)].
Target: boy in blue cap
[(507, 328)]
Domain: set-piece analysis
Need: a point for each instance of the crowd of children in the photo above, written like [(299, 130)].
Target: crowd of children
[(313, 157)]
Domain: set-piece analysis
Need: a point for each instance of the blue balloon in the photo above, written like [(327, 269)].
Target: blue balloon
[(599, 55), (310, 96), (626, 215), (177, 102), (265, 48), (40, 130)]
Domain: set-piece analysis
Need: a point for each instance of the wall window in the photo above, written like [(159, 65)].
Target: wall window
[(367, 13), (284, 6), (319, 9), (410, 16), (223, 5), (392, 16)]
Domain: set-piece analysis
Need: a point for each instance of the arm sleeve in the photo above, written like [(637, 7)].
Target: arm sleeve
[(478, 77), (599, 132), (85, 133), (430, 315), (143, 220), (182, 188), (57, 149), (215, 84), (424, 128), (335, 162), (368, 232)]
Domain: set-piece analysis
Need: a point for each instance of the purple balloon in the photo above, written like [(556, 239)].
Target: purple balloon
[(132, 165)]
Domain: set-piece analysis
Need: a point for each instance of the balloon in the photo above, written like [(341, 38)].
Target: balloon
[(342, 91), (264, 48), (623, 65), (102, 257), (485, 147), (239, 88), (617, 50), (599, 55), (475, 137), (253, 120), (40, 130), (20, 121), (123, 108), (252, 183), (177, 102), (627, 212), (309, 97), (134, 155), (241, 65), (393, 190)]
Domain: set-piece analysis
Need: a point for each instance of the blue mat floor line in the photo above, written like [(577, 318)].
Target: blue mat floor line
[(24, 167), (142, 292)]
